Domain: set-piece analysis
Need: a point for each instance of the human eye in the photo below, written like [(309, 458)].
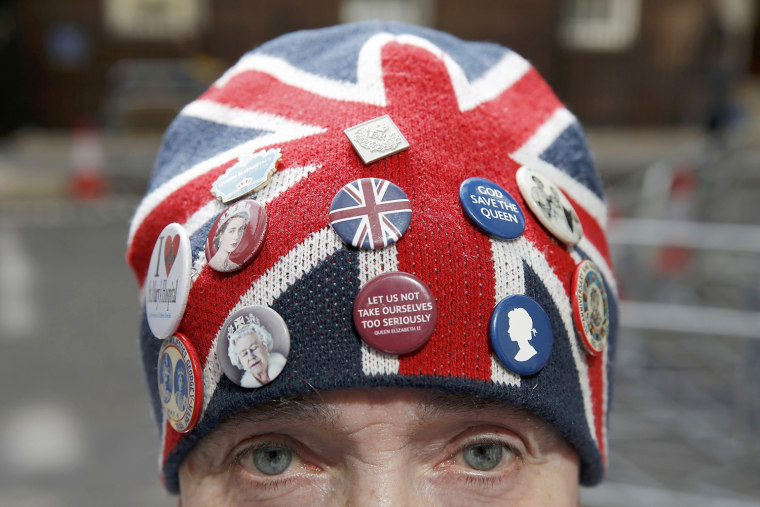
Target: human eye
[(483, 459), (264, 469), (483, 456), (274, 463), (268, 459)]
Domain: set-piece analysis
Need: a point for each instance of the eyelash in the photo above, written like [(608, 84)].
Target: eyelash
[(488, 477), (270, 483), (471, 477)]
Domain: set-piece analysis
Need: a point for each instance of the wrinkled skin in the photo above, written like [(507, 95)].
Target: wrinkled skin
[(254, 356), (381, 447)]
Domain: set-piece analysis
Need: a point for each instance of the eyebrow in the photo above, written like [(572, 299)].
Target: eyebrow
[(312, 408), (286, 410), (442, 403)]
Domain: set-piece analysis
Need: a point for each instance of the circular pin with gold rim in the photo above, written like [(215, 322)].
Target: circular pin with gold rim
[(591, 312), (180, 383)]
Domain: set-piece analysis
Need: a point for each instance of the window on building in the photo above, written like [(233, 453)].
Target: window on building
[(600, 25), (154, 19), (418, 12)]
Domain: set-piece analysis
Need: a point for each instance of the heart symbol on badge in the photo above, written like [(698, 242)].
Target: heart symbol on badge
[(170, 252)]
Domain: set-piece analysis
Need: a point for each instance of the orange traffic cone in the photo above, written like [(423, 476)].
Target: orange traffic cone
[(87, 176)]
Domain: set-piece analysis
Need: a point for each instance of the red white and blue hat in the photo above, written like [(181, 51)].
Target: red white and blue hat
[(466, 110)]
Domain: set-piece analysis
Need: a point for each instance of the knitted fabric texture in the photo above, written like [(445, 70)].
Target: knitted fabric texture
[(467, 109)]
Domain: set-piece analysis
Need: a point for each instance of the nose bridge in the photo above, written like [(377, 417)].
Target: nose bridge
[(387, 485)]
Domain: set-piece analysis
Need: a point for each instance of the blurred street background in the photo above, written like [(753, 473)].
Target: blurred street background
[(669, 93)]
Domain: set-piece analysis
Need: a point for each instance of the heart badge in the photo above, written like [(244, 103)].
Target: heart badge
[(171, 247), (167, 285)]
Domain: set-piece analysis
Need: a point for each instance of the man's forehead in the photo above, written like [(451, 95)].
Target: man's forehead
[(326, 407), (407, 409)]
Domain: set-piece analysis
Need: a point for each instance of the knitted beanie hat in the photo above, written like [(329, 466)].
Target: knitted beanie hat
[(473, 261)]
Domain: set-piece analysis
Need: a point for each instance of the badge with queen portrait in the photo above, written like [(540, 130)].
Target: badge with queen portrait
[(180, 383), (591, 312), (253, 346), (237, 236)]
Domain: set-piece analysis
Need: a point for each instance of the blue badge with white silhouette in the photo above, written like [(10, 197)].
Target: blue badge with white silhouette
[(521, 334), (251, 173), (491, 208)]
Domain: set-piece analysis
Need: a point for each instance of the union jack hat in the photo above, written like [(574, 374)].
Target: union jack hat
[(466, 109)]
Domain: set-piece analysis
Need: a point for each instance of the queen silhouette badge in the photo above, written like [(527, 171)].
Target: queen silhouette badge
[(521, 334)]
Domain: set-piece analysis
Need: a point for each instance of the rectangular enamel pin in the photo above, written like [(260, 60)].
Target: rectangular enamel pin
[(376, 139)]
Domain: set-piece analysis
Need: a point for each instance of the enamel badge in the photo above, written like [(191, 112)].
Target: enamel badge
[(376, 139), (252, 172)]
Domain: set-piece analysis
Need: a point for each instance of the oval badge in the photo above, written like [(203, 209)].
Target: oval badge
[(180, 383), (167, 285), (521, 334), (591, 312)]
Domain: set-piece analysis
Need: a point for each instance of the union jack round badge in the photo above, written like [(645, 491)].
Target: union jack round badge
[(370, 213)]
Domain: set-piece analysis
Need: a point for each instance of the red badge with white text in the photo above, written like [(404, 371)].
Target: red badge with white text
[(395, 313), (591, 312), (168, 282), (237, 236), (180, 383)]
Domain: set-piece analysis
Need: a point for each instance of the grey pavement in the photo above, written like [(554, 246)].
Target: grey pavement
[(75, 426)]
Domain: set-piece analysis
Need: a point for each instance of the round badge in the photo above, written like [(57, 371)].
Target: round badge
[(395, 312), (370, 213), (237, 236), (253, 346), (550, 205), (590, 310), (168, 282), (521, 334), (491, 208), (180, 383)]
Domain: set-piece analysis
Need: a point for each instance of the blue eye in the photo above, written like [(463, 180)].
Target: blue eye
[(483, 457), (272, 460)]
